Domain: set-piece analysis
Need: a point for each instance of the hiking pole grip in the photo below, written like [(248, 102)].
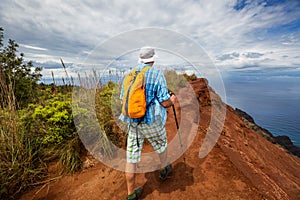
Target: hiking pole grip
[(174, 111)]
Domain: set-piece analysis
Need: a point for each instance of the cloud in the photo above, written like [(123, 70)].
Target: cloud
[(253, 54), (233, 33), (48, 65), (32, 47), (228, 56), (236, 55)]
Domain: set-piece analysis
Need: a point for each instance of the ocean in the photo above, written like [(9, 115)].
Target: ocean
[(273, 102)]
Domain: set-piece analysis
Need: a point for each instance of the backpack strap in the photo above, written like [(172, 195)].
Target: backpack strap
[(143, 70), (136, 131)]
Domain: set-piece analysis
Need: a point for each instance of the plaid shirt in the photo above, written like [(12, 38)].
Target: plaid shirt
[(156, 92)]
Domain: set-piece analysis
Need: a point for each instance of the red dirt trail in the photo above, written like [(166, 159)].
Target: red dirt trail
[(242, 165)]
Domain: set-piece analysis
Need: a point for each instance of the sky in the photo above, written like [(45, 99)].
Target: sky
[(239, 36)]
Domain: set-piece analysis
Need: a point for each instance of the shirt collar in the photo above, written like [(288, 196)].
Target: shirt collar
[(142, 66)]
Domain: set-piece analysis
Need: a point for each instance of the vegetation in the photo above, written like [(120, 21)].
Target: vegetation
[(108, 108), (20, 153), (190, 77), (175, 81), (37, 124), (17, 75)]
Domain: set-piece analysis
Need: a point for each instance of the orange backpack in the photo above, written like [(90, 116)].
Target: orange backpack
[(134, 98)]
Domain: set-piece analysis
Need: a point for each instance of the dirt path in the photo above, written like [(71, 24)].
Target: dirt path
[(242, 165), (215, 177)]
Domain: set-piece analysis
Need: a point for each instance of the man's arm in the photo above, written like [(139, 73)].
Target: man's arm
[(169, 102)]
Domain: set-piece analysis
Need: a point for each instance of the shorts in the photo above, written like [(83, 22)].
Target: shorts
[(155, 134)]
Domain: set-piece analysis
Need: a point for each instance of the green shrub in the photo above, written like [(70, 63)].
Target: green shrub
[(53, 121), (24, 154), (190, 77), (175, 81), (54, 127), (17, 76)]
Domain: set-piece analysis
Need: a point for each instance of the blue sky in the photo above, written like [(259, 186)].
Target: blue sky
[(240, 37)]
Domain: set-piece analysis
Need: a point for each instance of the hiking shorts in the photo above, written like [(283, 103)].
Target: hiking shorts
[(155, 133)]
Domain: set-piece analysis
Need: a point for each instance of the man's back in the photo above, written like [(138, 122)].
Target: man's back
[(156, 92)]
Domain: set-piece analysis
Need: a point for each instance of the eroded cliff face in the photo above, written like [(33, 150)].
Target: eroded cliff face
[(242, 165), (256, 153), (283, 140)]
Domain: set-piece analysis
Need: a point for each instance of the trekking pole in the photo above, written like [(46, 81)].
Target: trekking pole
[(179, 135)]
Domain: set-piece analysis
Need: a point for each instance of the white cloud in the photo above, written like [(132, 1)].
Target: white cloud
[(33, 47), (71, 29)]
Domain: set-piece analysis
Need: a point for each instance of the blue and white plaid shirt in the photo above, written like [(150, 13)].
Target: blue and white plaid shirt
[(156, 92)]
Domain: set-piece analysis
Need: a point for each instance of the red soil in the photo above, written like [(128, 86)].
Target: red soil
[(242, 165)]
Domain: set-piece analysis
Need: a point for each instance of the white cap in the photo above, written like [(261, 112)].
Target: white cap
[(147, 54)]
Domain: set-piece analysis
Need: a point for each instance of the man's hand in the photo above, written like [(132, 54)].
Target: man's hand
[(169, 102), (173, 98)]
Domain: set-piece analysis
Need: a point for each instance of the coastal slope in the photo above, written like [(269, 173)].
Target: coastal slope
[(242, 165)]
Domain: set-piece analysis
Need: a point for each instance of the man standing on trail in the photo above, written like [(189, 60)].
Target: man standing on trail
[(152, 125)]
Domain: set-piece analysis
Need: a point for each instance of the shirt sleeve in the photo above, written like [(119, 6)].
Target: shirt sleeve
[(162, 89), (122, 92)]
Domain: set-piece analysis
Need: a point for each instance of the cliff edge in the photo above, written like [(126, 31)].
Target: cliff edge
[(282, 140), (242, 165)]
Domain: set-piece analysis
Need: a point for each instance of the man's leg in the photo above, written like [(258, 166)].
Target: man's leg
[(133, 154), (166, 168), (163, 158), (157, 136), (130, 177)]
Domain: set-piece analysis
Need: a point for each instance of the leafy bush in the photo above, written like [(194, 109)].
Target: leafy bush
[(33, 137), (17, 75), (53, 121), (190, 77), (175, 81), (53, 125)]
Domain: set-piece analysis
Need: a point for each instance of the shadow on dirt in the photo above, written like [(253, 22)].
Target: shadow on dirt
[(179, 179)]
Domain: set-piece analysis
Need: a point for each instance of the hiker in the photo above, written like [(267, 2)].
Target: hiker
[(152, 125)]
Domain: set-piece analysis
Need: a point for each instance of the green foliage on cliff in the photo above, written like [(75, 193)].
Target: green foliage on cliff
[(190, 77), (33, 137), (37, 123), (54, 120), (16, 75)]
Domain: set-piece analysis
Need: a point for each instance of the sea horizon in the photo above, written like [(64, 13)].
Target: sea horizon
[(273, 102)]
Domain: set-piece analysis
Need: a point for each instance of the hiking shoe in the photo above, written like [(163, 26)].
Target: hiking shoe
[(136, 195), (164, 173)]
